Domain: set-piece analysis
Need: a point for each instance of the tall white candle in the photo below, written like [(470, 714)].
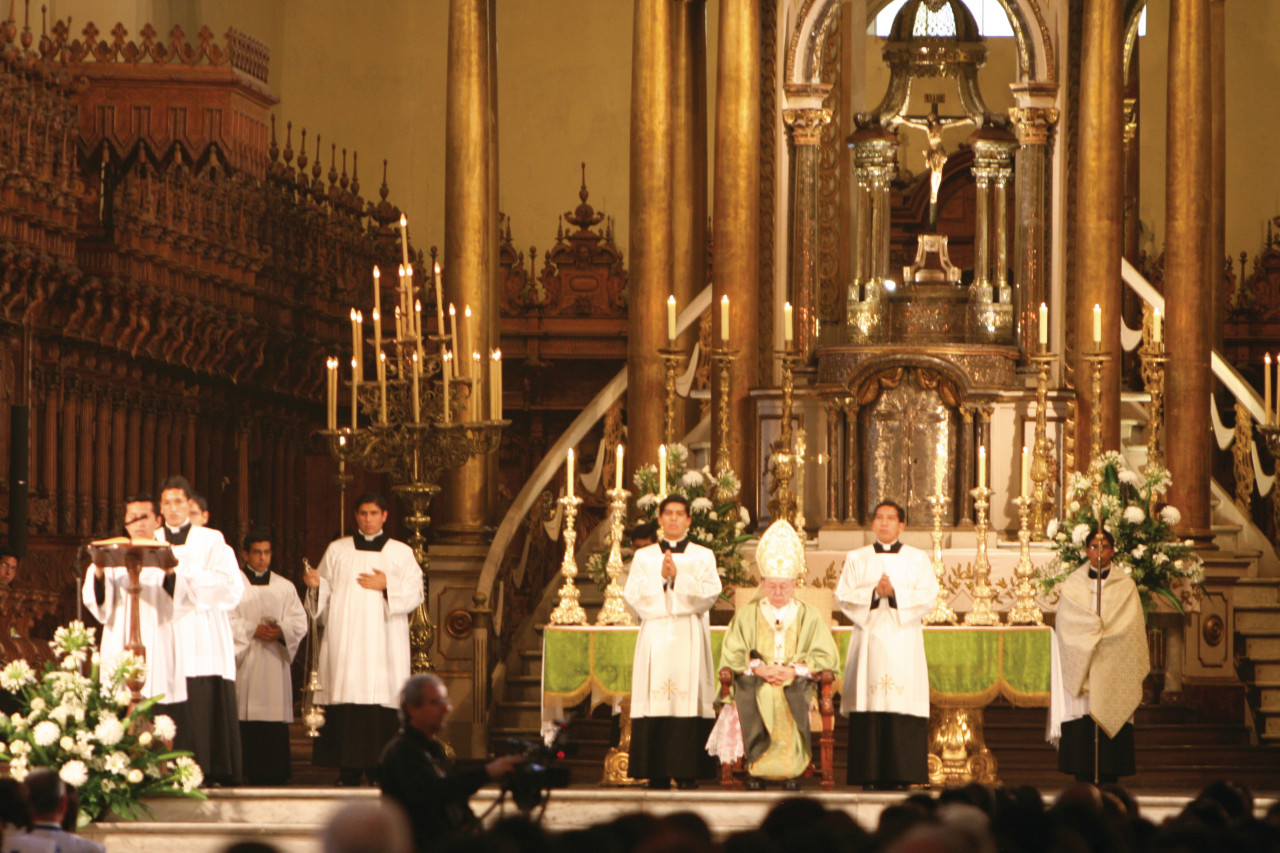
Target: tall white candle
[(469, 330), (982, 466), (724, 319), (662, 471), (1266, 382), (1026, 471), (1044, 325), (377, 290), (331, 385), (568, 474), (417, 323), (617, 478), (439, 303), (671, 321), (1157, 327), (788, 323), (475, 386), (355, 395), (446, 371), (417, 374), (495, 385), (404, 240), (360, 342), (382, 385), (377, 338), (453, 330), (1097, 324)]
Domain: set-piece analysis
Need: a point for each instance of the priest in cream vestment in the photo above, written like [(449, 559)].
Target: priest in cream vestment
[(886, 589), (776, 646), (672, 585), (1101, 662)]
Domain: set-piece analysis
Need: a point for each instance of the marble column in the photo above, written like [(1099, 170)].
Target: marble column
[(649, 283), (1187, 290), (806, 123), (736, 230), (1099, 219), (468, 264), (689, 175), (1218, 167)]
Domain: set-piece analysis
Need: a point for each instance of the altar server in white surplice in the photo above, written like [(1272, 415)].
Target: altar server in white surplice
[(106, 595), (208, 590), (886, 589), (672, 585), (269, 625), (367, 586)]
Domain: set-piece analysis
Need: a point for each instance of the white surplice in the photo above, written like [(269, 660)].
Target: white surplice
[(208, 589), (155, 622), (672, 674), (886, 668), (364, 658), (264, 688)]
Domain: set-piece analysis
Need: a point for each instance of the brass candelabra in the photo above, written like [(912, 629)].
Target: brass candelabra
[(1025, 610), (312, 714), (1096, 361), (614, 611), (983, 612), (671, 359), (1044, 463), (1153, 362), (569, 611), (942, 614), (722, 359), (782, 500)]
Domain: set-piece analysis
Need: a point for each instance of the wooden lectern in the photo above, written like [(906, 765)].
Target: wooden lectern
[(134, 555)]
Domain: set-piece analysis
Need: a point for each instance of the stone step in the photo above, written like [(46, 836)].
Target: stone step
[(1258, 618), (1254, 591), (1268, 672), (1258, 648)]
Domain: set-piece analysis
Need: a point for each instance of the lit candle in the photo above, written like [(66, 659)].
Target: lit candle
[(1157, 328), (671, 320), (662, 471), (788, 323), (417, 372), (475, 386), (1266, 382), (399, 324), (453, 327), (355, 333), (617, 479), (359, 354), (1044, 325), (939, 473), (1026, 471), (377, 338), (404, 240), (355, 396), (377, 290), (417, 322), (982, 466), (495, 385), (331, 386), (446, 371), (403, 293), (568, 474), (1097, 325), (469, 329), (724, 319), (382, 385), (439, 303)]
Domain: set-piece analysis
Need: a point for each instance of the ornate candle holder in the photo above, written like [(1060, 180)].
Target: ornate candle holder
[(614, 611), (942, 614), (983, 613), (1153, 362), (1025, 610), (1096, 361), (801, 447), (671, 359), (569, 611), (1044, 463), (782, 500), (722, 359)]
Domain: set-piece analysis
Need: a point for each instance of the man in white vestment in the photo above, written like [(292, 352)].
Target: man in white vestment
[(1099, 667), (367, 585), (672, 585), (886, 588), (269, 624), (106, 597), (209, 588)]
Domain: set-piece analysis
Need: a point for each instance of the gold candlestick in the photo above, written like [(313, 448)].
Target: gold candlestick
[(942, 613), (1044, 464), (671, 362), (723, 359), (1025, 610), (614, 611), (1096, 361), (569, 611), (983, 613), (782, 500), (1153, 361)]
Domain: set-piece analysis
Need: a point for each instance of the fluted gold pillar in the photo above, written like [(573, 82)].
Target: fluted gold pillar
[(1218, 167), (651, 223), (806, 117), (468, 268), (1187, 290), (689, 173), (1099, 217), (1033, 121), (736, 224)]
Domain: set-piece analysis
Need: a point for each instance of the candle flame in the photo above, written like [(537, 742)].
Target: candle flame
[(466, 312), (377, 273), (497, 355), (452, 311), (376, 316), (403, 221), (437, 268), (408, 271)]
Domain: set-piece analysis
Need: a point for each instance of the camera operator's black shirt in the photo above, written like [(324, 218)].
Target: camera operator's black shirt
[(413, 773)]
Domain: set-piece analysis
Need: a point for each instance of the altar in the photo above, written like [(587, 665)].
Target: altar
[(969, 668)]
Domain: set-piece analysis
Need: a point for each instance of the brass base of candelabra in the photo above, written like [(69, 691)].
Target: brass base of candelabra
[(1025, 610), (722, 358), (1044, 464), (983, 612), (569, 611), (614, 611), (958, 753), (671, 359), (1153, 362), (1096, 362), (942, 614)]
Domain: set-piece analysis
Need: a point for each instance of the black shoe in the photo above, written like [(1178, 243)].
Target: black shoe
[(752, 783), (658, 784), (791, 785), (687, 784)]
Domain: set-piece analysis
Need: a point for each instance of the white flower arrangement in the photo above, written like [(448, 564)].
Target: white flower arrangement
[(69, 716)]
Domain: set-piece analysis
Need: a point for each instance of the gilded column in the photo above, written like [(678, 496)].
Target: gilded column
[(652, 139), (806, 123), (468, 236), (1217, 167), (1099, 218), (737, 224), (983, 169), (1187, 290), (689, 173), (1000, 210)]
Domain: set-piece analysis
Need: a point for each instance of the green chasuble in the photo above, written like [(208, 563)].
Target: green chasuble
[(777, 743)]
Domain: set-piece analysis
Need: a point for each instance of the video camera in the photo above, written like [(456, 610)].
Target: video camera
[(541, 770)]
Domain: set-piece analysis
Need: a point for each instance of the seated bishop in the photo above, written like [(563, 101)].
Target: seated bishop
[(775, 647)]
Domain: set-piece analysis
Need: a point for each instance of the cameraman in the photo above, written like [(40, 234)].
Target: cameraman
[(413, 768)]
